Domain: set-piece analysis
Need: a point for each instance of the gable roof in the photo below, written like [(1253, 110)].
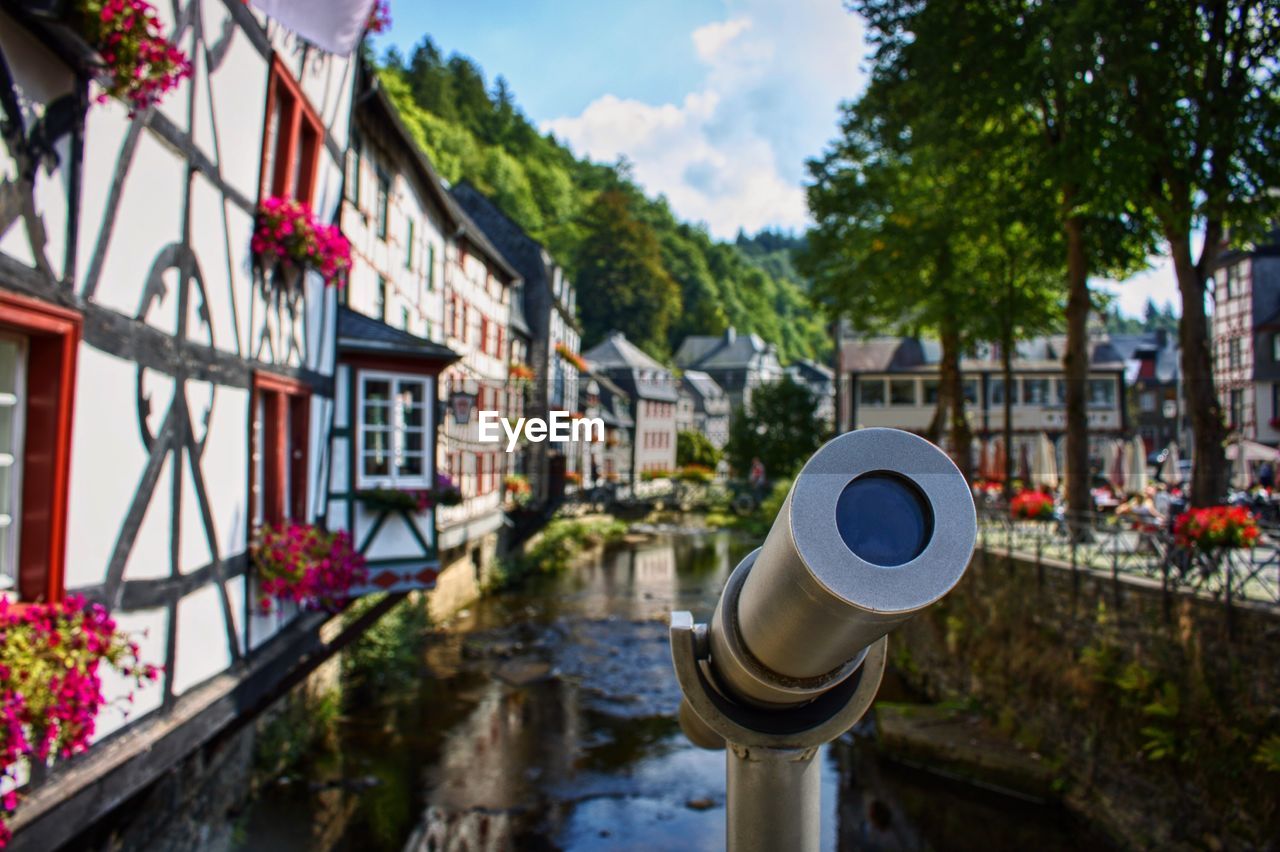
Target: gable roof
[(375, 98), (633, 369), (727, 351)]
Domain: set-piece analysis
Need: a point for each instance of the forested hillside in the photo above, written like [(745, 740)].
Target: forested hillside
[(637, 267)]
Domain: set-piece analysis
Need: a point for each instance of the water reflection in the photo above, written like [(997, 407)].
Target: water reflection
[(546, 720)]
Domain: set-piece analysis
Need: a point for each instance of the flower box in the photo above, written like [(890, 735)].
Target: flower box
[(1032, 506), (287, 233), (51, 657), (445, 493), (303, 563), (1216, 527), (572, 358)]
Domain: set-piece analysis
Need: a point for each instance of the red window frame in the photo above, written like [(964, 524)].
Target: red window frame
[(53, 340), (286, 408), (298, 138)]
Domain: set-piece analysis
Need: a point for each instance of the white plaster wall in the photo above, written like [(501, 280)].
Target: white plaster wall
[(201, 648), (107, 462), (148, 628), (39, 78)]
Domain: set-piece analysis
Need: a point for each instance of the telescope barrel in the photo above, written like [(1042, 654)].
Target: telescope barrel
[(877, 526)]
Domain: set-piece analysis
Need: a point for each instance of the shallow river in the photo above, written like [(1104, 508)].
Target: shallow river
[(545, 720)]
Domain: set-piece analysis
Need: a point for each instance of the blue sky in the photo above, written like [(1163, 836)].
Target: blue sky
[(717, 103)]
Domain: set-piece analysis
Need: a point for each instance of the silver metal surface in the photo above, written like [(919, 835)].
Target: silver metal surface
[(811, 603), (801, 726), (738, 671), (774, 799)]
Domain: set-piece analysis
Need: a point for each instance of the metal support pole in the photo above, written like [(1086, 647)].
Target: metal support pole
[(774, 799)]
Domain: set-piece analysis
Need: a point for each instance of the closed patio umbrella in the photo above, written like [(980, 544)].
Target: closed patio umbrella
[(1024, 464), (1044, 464), (1115, 465), (1136, 454), (1171, 468)]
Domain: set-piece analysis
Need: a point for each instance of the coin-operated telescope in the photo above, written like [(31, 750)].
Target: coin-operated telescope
[(878, 525)]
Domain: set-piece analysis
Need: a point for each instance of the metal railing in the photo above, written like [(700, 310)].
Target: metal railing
[(1128, 546)]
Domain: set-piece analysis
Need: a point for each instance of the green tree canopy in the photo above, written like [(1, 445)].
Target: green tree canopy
[(780, 427), (695, 448)]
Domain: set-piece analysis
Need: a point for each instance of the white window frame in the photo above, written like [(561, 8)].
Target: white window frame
[(397, 432), (13, 460)]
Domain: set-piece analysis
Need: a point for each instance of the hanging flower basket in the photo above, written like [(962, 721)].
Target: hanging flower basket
[(1032, 506), (1216, 527), (303, 563), (139, 66), (50, 682), (287, 233), (572, 358), (573, 477), (379, 17)]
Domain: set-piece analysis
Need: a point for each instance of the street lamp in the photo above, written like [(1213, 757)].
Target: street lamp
[(878, 526)]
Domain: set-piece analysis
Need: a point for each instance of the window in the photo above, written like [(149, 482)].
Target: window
[(1102, 393), (38, 345), (394, 430), (404, 318), (995, 391), (291, 143), (278, 449), (902, 391), (1035, 391), (1147, 402), (431, 266), (1235, 348), (1237, 409), (384, 203), (357, 164), (380, 300), (871, 392), (930, 388), (1275, 348), (408, 244), (971, 391), (1237, 279)]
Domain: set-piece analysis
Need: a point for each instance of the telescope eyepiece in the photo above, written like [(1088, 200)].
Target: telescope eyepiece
[(884, 519)]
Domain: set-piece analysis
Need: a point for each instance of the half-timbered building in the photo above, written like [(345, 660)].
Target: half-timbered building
[(162, 394)]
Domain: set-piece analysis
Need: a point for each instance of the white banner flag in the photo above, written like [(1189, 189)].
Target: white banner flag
[(332, 25)]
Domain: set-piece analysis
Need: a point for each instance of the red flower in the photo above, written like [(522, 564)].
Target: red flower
[(299, 562), (140, 65), (1032, 506), (50, 688), (1216, 526), (287, 231)]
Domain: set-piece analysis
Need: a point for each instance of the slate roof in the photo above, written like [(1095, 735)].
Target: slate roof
[(703, 385), (634, 371), (728, 351), (907, 354), (359, 333)]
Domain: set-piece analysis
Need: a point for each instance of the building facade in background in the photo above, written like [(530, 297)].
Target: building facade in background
[(739, 363), (1246, 340), (549, 305), (653, 395), (894, 382), (703, 407)]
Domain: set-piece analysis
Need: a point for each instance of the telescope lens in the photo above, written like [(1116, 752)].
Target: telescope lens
[(884, 519)]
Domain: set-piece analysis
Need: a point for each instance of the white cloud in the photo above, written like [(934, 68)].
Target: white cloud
[(713, 38), (731, 152)]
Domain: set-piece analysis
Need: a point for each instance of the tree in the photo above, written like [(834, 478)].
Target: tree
[(622, 283), (918, 233), (696, 448), (1196, 83), (779, 427), (1032, 65)]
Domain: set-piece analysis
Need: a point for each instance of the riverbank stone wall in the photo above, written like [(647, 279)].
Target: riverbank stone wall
[(1155, 709)]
